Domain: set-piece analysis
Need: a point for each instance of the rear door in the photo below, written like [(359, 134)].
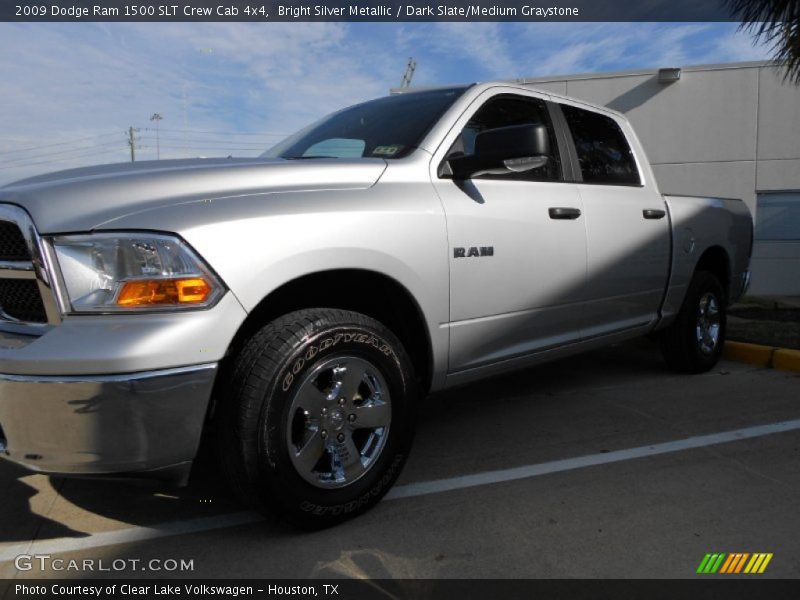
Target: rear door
[(627, 226)]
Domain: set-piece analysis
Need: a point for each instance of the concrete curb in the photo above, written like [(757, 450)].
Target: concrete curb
[(784, 359)]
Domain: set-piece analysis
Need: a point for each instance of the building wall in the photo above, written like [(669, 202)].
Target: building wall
[(721, 130)]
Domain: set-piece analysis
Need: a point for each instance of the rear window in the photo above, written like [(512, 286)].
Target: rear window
[(604, 154)]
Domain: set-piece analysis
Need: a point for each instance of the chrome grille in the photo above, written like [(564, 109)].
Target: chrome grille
[(27, 301), (12, 244), (20, 299)]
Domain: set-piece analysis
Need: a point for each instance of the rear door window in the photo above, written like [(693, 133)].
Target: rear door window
[(604, 155)]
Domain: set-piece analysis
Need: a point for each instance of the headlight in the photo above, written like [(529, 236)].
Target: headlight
[(125, 272)]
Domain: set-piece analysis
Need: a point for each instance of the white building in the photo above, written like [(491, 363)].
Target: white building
[(720, 130)]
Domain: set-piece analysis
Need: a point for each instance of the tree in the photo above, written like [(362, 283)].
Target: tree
[(776, 22)]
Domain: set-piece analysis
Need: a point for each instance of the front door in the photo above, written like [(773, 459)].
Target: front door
[(517, 246)]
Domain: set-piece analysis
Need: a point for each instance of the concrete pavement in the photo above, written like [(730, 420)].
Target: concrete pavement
[(651, 516)]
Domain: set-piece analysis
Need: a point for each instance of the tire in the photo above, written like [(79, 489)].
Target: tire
[(693, 342), (318, 381)]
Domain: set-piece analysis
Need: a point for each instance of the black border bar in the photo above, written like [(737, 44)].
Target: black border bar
[(363, 10), (700, 588)]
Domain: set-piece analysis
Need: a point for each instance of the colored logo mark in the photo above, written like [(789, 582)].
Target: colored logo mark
[(733, 563)]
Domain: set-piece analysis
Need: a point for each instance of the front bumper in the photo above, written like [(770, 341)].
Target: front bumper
[(147, 423)]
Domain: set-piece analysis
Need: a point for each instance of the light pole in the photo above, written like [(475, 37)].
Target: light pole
[(157, 117)]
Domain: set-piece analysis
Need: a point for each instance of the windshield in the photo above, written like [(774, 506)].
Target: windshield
[(389, 127)]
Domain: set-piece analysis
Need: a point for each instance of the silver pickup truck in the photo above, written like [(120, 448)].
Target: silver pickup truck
[(299, 306)]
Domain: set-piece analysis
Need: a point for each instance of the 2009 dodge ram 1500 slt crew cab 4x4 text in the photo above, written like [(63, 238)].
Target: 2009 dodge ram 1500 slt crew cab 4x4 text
[(300, 305)]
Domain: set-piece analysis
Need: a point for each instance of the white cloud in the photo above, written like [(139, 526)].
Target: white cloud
[(483, 45), (70, 82), (741, 46)]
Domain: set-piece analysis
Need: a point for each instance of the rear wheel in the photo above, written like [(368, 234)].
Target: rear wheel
[(693, 342), (319, 421)]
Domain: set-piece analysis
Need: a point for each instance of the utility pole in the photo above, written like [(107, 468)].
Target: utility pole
[(185, 123), (132, 142), (410, 68), (157, 117)]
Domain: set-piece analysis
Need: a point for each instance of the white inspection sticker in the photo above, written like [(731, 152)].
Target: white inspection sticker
[(387, 150)]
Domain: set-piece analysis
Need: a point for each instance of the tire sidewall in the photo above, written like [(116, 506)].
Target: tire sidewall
[(278, 479)]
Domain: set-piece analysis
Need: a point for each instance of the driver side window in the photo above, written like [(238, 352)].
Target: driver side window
[(503, 111)]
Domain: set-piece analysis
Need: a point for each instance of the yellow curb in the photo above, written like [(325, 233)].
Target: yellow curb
[(786, 359), (754, 354)]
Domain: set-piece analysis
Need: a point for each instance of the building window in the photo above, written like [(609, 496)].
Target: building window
[(778, 217)]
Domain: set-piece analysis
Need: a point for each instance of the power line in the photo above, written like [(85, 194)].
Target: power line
[(212, 142), (61, 152), (104, 135), (76, 141), (212, 148), (55, 162), (230, 133), (205, 138), (49, 162), (176, 143)]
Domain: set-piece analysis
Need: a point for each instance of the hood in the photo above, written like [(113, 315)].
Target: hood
[(83, 199)]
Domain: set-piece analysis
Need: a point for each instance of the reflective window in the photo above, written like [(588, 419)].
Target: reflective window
[(778, 217), (504, 111), (389, 127), (338, 147), (604, 154)]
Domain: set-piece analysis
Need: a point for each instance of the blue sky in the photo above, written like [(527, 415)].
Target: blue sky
[(70, 90)]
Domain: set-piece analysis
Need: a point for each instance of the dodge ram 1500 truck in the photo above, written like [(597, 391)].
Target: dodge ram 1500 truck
[(300, 305)]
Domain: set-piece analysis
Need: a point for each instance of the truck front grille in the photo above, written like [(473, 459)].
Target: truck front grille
[(20, 299), (27, 301), (12, 243)]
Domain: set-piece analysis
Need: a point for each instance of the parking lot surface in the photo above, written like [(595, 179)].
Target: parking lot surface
[(603, 465)]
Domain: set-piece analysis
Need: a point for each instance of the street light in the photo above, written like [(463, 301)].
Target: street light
[(157, 117)]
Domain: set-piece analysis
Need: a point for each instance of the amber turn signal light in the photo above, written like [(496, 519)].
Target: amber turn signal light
[(147, 292)]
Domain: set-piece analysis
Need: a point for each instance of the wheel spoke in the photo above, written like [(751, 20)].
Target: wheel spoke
[(349, 459), (310, 398), (308, 456), (350, 378), (372, 416)]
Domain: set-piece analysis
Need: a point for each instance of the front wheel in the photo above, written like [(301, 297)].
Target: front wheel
[(319, 421), (693, 342)]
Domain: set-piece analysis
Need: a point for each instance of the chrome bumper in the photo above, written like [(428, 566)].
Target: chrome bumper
[(144, 424)]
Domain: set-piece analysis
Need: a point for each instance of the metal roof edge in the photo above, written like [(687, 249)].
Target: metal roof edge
[(645, 71)]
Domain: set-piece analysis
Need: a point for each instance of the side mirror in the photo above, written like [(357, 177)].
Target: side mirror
[(513, 149)]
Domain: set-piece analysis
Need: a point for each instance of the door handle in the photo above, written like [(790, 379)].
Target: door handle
[(652, 213), (560, 212)]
